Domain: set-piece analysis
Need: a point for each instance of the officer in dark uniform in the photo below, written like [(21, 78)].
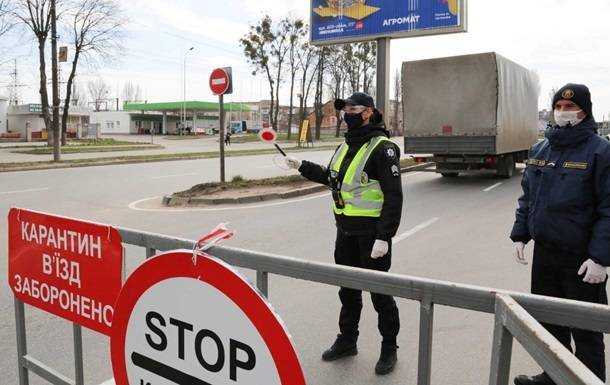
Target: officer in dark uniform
[(364, 176), (565, 209)]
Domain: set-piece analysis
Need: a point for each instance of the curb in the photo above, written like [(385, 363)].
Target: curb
[(171, 201)]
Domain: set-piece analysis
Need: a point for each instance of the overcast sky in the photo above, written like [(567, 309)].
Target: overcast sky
[(562, 40)]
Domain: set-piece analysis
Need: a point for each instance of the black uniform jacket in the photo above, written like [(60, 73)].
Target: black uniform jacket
[(383, 166), (566, 194)]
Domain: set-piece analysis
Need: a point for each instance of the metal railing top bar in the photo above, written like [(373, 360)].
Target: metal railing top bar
[(550, 354), (550, 310)]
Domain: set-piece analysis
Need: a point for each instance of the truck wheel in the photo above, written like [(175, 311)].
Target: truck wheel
[(506, 167), (450, 174)]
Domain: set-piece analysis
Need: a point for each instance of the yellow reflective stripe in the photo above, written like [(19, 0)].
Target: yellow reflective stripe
[(353, 166), (336, 166)]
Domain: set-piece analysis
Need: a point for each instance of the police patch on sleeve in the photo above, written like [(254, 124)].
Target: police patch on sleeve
[(390, 152), (395, 170)]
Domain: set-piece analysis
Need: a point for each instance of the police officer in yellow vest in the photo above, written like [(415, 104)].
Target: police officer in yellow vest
[(364, 176)]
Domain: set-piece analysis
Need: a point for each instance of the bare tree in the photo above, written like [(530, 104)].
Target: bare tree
[(265, 47), (367, 54), (6, 22), (79, 96), (307, 58), (319, 104), (360, 63), (36, 16), (96, 30), (397, 101), (98, 93), (132, 92), (257, 48), (336, 60), (296, 33)]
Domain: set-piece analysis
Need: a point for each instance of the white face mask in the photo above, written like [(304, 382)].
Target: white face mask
[(562, 118)]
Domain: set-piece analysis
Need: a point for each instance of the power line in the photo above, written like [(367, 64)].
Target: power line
[(192, 41)]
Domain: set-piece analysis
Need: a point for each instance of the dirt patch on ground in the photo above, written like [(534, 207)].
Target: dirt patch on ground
[(242, 187)]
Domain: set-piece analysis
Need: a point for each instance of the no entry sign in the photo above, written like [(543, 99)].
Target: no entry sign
[(220, 81), (185, 321), (67, 267)]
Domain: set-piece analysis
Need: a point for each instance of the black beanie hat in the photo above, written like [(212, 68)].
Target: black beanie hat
[(576, 93)]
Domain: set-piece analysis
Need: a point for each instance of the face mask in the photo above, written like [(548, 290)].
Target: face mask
[(562, 118), (353, 120)]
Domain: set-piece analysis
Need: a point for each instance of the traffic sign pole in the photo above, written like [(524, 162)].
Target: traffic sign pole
[(220, 84), (221, 120)]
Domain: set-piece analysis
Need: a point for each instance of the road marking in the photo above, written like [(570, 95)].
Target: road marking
[(493, 187), (133, 205), (414, 231), (172, 176), (23, 191)]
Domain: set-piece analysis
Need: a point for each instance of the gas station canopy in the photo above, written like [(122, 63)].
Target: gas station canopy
[(188, 105)]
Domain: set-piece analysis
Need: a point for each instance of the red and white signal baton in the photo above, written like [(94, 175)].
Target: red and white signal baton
[(269, 135), (214, 237)]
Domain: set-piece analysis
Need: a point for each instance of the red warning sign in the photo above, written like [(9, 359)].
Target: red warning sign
[(185, 319), (220, 81), (66, 267)]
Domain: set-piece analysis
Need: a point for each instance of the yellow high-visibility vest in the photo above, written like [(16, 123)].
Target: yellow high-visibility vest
[(362, 196)]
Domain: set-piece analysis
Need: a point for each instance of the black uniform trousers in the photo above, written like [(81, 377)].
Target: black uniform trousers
[(555, 274), (355, 250)]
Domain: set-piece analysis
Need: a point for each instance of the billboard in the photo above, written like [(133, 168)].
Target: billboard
[(343, 21)]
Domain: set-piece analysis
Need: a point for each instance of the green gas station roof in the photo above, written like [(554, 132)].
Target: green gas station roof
[(189, 105)]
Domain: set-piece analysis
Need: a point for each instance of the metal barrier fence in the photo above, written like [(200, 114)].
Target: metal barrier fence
[(517, 315)]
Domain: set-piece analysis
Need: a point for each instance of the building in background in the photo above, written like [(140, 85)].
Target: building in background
[(3, 114), (26, 120), (167, 117)]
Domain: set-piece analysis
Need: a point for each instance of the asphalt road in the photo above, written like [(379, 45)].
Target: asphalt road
[(463, 225)]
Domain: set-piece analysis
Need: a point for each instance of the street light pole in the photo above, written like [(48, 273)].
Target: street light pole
[(184, 91)]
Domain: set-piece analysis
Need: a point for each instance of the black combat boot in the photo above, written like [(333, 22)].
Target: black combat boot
[(343, 347), (387, 360), (540, 379)]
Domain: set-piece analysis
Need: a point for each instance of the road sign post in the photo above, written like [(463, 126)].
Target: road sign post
[(222, 134), (221, 83), (189, 319)]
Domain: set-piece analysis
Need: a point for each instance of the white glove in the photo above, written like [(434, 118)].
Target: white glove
[(520, 253), (595, 273), (293, 162), (380, 248)]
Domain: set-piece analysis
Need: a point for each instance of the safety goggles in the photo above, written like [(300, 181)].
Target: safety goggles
[(352, 110)]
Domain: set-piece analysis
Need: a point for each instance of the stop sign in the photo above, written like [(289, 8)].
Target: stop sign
[(220, 81), (180, 320)]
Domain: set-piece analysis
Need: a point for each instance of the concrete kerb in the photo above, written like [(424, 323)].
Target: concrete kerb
[(172, 201)]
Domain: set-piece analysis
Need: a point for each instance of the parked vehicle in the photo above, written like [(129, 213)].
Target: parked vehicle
[(473, 113)]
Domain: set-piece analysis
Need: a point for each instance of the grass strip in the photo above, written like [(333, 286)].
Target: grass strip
[(41, 165), (87, 149)]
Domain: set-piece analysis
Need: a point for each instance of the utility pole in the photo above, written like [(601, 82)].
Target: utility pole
[(54, 70), (13, 92), (184, 91)]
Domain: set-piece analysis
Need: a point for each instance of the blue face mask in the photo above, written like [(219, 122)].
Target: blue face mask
[(353, 121)]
